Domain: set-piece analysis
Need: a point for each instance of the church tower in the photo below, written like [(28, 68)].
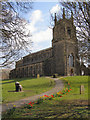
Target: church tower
[(64, 46)]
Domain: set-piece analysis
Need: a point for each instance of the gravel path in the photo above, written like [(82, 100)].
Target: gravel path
[(58, 87)]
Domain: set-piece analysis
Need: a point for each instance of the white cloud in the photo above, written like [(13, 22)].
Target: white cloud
[(42, 36), (55, 9), (36, 17), (37, 47), (42, 40), (38, 34)]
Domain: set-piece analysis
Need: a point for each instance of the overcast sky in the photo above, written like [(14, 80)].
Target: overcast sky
[(39, 24)]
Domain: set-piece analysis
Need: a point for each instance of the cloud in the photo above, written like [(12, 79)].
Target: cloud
[(38, 34), (37, 47), (36, 17), (55, 9), (42, 39), (42, 36)]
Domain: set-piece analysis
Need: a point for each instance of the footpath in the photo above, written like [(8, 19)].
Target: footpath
[(58, 87)]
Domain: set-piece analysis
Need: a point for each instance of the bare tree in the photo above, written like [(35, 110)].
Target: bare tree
[(15, 39), (81, 13)]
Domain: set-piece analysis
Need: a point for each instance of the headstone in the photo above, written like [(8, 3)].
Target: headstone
[(38, 75), (20, 87), (17, 86), (81, 89), (55, 75)]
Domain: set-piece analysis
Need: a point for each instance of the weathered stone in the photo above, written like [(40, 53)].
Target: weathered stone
[(55, 75), (20, 87), (38, 75), (17, 86), (81, 89)]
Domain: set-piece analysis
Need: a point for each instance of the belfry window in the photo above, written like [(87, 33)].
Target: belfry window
[(71, 60), (69, 31)]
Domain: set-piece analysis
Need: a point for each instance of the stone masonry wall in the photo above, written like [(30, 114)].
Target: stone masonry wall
[(35, 58), (32, 64)]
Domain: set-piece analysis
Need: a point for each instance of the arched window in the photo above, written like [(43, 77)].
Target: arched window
[(82, 72), (71, 60), (69, 31)]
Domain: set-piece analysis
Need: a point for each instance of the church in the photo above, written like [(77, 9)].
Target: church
[(61, 58)]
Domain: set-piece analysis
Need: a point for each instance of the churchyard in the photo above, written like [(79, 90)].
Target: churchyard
[(31, 86), (71, 102)]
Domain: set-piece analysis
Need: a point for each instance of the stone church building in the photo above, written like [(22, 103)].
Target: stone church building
[(59, 59)]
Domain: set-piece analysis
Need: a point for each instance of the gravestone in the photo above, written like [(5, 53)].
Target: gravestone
[(38, 75), (55, 75), (20, 87), (17, 86), (81, 89)]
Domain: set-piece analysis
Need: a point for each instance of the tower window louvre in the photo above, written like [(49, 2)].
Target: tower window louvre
[(69, 31)]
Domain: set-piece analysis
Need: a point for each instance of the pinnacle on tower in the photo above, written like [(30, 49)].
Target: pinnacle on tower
[(55, 20), (72, 16), (63, 13)]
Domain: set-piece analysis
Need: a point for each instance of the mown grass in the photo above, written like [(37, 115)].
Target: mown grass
[(72, 105), (30, 87), (75, 83)]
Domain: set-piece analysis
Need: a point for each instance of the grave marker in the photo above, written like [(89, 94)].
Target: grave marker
[(81, 89), (38, 75)]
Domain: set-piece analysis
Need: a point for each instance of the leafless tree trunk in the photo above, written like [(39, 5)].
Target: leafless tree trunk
[(15, 39)]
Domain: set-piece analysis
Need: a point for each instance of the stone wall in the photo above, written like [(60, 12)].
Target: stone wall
[(58, 58), (47, 67), (35, 58), (27, 71), (32, 64)]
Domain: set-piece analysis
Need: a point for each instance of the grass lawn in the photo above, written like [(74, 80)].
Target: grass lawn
[(75, 82), (72, 105), (30, 87)]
